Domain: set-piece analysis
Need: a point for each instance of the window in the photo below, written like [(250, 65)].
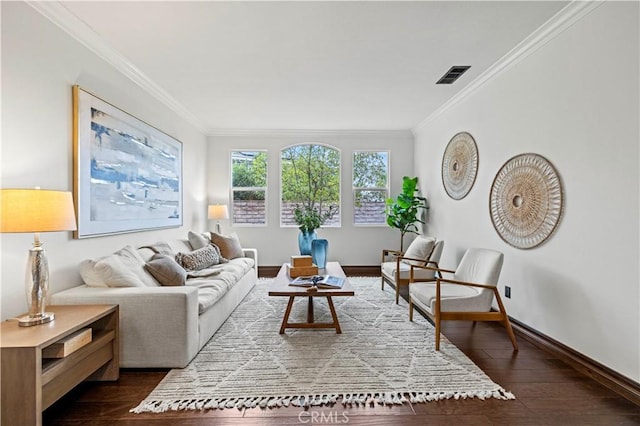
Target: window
[(310, 176), (249, 187), (370, 187)]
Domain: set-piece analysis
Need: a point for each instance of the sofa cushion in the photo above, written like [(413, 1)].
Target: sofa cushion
[(197, 241), (230, 273), (89, 274), (207, 297), (200, 258), (137, 265), (166, 270), (205, 273), (119, 271), (110, 272), (229, 246)]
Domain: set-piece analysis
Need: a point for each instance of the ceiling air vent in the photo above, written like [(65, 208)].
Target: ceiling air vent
[(453, 74)]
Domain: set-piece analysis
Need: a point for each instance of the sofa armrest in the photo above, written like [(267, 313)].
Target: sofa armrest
[(253, 254), (158, 325)]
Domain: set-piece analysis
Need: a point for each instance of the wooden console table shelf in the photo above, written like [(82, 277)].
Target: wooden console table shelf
[(30, 383)]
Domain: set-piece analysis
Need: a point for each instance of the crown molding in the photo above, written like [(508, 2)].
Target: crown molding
[(553, 27), (308, 133), (68, 22)]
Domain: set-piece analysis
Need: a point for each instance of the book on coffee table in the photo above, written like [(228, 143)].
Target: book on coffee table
[(320, 281)]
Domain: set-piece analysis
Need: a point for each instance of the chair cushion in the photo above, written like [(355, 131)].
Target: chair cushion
[(454, 298), (388, 269), (420, 248), (481, 266)]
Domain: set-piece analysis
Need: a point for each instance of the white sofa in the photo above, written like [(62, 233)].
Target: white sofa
[(166, 326)]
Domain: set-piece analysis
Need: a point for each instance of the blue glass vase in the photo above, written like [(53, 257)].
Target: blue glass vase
[(304, 241), (319, 252)]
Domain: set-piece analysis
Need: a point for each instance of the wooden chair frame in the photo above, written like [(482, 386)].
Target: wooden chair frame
[(439, 316), (403, 281)]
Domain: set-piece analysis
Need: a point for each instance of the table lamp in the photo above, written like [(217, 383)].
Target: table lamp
[(36, 210), (217, 212)]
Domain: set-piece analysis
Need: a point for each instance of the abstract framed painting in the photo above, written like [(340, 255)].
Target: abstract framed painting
[(127, 174)]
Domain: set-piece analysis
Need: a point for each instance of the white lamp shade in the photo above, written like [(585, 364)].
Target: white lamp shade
[(36, 210), (218, 211)]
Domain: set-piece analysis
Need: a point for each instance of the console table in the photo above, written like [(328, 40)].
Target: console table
[(31, 383)]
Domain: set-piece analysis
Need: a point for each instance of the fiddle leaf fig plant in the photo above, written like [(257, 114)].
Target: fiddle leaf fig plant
[(405, 211)]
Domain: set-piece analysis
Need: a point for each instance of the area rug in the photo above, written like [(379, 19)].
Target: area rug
[(380, 358)]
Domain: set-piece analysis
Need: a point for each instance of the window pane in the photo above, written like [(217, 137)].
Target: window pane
[(369, 207), (310, 177), (249, 169), (249, 207), (249, 187), (370, 187), (370, 169)]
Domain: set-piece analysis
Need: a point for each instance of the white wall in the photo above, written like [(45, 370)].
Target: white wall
[(574, 101), (40, 64), (349, 244)]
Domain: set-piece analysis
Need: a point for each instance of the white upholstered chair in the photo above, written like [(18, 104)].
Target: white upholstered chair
[(468, 295), (395, 266)]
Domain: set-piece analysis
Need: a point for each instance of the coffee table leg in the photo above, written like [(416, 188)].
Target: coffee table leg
[(285, 320), (310, 310), (333, 315)]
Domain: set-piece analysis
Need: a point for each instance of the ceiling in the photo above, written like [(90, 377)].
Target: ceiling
[(309, 65)]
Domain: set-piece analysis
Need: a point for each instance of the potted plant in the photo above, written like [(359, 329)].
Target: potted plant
[(309, 219), (404, 212)]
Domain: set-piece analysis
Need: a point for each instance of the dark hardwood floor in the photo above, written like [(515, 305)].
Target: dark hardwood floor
[(548, 392)]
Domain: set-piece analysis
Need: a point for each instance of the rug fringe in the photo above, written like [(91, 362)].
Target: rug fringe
[(304, 401)]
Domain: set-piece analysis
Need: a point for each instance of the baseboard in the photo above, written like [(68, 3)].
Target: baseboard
[(618, 383), (268, 271)]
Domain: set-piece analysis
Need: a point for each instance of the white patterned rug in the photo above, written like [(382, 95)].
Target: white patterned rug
[(380, 358)]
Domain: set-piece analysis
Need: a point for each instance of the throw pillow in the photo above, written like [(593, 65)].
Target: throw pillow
[(197, 241), (90, 276), (420, 248), (230, 247), (201, 258), (137, 265), (118, 271), (166, 270)]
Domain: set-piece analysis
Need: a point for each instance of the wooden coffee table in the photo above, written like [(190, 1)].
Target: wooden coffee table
[(281, 287)]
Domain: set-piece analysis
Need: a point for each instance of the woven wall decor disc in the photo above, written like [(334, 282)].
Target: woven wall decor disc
[(526, 201), (459, 165)]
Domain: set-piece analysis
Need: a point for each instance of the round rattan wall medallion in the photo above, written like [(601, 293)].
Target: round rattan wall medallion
[(460, 165), (526, 201)]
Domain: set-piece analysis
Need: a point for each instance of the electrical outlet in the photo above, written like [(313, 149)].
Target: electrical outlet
[(507, 292)]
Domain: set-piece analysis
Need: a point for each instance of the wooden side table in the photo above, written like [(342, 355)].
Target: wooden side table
[(31, 383)]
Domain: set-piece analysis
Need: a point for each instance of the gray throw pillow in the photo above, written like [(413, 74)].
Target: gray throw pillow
[(166, 270), (197, 241), (201, 258)]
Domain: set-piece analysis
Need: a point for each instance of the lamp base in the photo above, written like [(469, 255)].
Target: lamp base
[(28, 320)]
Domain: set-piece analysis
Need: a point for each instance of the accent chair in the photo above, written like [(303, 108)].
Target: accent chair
[(395, 266), (467, 296)]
